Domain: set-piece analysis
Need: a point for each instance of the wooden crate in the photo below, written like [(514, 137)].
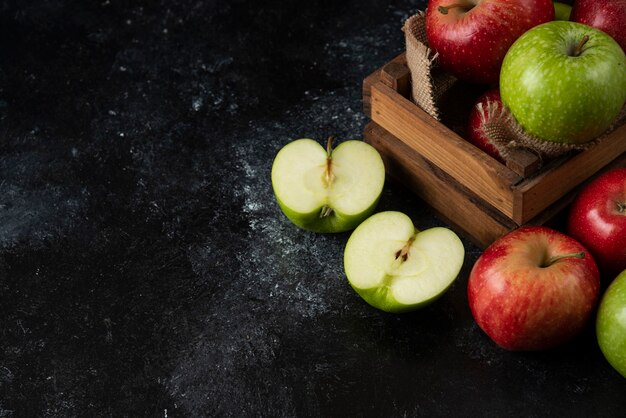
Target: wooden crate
[(479, 196)]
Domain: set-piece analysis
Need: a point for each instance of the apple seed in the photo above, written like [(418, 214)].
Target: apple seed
[(403, 253)]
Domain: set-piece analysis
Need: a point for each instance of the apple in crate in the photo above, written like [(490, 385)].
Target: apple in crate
[(597, 218), (564, 82), (472, 36), (326, 190), (533, 289), (480, 115), (611, 324), (395, 267), (562, 11), (607, 15)]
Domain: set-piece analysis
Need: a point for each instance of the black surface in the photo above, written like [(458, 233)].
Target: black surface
[(145, 268)]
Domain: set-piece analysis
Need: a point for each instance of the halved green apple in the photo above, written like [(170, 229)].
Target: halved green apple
[(395, 267), (327, 190)]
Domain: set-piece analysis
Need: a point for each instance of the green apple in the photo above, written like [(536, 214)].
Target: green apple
[(395, 267), (562, 11), (327, 190), (564, 81), (611, 324)]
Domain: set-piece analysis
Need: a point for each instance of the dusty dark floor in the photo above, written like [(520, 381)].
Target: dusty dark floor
[(145, 268)]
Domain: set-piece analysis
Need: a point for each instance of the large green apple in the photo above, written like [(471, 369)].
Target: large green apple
[(325, 190), (396, 268), (564, 82), (611, 324)]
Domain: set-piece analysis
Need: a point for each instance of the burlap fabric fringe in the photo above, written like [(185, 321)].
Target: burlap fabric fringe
[(506, 134), (430, 83)]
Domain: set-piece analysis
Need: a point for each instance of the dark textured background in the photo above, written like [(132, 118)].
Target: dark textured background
[(145, 268)]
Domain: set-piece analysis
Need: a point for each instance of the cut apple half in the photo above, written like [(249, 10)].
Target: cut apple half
[(395, 267), (325, 190)]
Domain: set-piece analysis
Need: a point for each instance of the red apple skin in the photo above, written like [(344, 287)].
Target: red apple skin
[(475, 132), (523, 306), (607, 15), (472, 40), (597, 219)]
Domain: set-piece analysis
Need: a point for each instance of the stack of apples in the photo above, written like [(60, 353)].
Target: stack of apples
[(563, 81), (535, 288), (561, 72)]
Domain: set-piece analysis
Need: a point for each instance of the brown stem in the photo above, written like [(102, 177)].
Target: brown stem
[(329, 176), (621, 207), (579, 48), (556, 258), (326, 211), (444, 9)]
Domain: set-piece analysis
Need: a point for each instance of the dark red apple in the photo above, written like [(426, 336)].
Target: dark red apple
[(478, 117), (597, 218), (472, 36), (533, 289), (607, 15)]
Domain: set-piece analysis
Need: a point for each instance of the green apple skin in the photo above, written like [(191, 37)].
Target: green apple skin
[(559, 97), (611, 324), (297, 175), (562, 11), (337, 222), (435, 259)]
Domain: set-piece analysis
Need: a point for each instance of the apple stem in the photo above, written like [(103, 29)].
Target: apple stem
[(329, 176), (326, 211), (621, 207), (444, 9), (579, 48), (556, 258)]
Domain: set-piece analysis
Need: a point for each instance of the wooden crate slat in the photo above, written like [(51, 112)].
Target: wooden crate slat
[(376, 76), (470, 190), (481, 174), (453, 203), (534, 195), (397, 76), (369, 81)]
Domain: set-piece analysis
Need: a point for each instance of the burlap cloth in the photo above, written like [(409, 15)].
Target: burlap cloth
[(430, 83)]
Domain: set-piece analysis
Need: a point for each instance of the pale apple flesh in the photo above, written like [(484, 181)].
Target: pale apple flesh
[(325, 194), (396, 268)]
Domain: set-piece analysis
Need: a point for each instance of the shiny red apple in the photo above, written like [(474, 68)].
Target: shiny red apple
[(533, 289), (478, 117), (472, 36), (607, 15), (597, 218)]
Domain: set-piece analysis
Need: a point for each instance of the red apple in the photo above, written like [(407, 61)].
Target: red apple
[(607, 15), (478, 117), (472, 36), (597, 218), (533, 289)]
